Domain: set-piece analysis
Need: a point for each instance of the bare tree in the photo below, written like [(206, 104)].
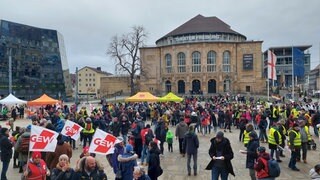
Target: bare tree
[(125, 51)]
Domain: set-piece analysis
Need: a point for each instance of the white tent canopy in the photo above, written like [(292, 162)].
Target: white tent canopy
[(12, 100)]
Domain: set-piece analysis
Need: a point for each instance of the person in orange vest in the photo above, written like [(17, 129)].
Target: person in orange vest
[(37, 168)]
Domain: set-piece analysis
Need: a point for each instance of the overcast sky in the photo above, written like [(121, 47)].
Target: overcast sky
[(88, 25)]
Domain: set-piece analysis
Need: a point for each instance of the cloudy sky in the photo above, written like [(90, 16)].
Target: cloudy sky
[(88, 25)]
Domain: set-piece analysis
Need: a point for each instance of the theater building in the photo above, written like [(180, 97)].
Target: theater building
[(203, 55)]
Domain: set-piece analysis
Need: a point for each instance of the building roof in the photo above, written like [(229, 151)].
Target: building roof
[(97, 70), (301, 47), (201, 24)]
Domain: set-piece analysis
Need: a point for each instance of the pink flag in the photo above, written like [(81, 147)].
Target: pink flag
[(71, 129), (102, 142), (42, 139), (272, 59)]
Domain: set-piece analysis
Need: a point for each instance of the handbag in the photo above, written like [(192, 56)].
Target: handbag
[(159, 171)]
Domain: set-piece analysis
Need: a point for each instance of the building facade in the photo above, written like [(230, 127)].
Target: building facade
[(89, 82), (314, 80), (284, 66), (203, 56), (115, 85), (38, 62)]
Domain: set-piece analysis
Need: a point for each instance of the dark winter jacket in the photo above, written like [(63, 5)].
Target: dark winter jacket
[(263, 124), (52, 158), (58, 174), (191, 143), (6, 148), (181, 129), (160, 131), (154, 163), (252, 152), (97, 174), (225, 149)]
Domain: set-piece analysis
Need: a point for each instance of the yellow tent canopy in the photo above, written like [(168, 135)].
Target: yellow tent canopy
[(170, 97), (142, 97)]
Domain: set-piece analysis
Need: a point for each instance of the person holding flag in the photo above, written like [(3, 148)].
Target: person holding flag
[(36, 168)]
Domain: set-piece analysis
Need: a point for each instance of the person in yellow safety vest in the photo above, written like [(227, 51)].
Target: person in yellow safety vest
[(246, 137), (294, 112), (88, 132), (295, 145), (305, 139), (283, 133), (274, 140)]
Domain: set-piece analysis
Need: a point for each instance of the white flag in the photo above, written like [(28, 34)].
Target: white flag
[(272, 59), (102, 142), (42, 139), (71, 129)]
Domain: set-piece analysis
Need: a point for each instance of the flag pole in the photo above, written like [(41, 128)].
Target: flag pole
[(268, 91), (292, 84)]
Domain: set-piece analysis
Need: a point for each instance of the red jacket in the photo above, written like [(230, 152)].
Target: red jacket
[(261, 166), (143, 134), (37, 171)]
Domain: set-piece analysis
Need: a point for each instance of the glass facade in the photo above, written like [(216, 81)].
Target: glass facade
[(39, 62)]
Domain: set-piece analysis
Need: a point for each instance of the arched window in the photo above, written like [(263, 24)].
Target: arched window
[(168, 86), (226, 62), (181, 87), (181, 62), (196, 61), (211, 61), (168, 63)]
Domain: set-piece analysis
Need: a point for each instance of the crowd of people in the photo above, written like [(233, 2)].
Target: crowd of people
[(143, 129)]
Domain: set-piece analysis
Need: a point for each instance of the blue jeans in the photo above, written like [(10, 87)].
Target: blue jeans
[(145, 154), (216, 171), (293, 159), (5, 165)]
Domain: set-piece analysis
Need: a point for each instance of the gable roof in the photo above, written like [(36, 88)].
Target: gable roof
[(201, 24), (97, 70)]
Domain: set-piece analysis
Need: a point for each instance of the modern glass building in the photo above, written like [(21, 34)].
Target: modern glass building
[(38, 62), (284, 65)]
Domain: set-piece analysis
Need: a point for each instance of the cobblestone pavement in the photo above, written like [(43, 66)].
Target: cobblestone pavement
[(175, 166)]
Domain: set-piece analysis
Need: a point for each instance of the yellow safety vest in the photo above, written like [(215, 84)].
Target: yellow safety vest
[(274, 112), (297, 139), (246, 137), (308, 133), (91, 131), (271, 139)]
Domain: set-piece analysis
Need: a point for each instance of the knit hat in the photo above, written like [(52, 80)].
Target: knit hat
[(63, 156), (85, 150), (36, 154), (220, 135), (129, 148), (3, 130), (261, 149), (28, 128)]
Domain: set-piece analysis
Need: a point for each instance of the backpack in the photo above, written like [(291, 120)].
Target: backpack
[(274, 168), (148, 137), (24, 146)]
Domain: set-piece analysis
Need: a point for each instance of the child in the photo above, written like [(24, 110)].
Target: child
[(169, 140)]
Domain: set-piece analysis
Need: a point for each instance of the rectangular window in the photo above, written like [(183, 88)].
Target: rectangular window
[(196, 68), (182, 69), (169, 69), (211, 68), (248, 89), (226, 68)]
